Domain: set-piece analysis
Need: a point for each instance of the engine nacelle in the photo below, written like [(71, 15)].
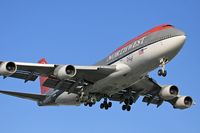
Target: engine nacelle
[(65, 72), (183, 102), (67, 99), (169, 92), (7, 68)]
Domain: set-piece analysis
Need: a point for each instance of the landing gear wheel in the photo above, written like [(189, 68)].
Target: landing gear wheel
[(124, 107), (102, 106), (131, 101), (90, 104), (85, 104), (106, 107), (164, 73), (160, 72), (110, 104), (128, 108)]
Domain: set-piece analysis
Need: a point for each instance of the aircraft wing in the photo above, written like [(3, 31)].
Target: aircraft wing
[(30, 71), (34, 97)]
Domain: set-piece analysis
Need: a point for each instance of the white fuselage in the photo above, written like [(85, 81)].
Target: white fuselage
[(131, 68), (139, 64)]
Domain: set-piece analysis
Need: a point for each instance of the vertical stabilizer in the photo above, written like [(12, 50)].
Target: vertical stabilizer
[(43, 89)]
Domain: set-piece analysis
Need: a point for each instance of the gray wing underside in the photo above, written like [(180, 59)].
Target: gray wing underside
[(146, 87)]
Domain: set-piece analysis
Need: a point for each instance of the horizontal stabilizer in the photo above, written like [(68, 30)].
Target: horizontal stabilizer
[(34, 97)]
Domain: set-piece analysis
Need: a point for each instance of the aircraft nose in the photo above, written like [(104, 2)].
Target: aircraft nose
[(181, 37), (178, 32), (175, 43), (179, 41)]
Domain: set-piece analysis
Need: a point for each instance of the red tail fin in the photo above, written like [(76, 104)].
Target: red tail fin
[(43, 89)]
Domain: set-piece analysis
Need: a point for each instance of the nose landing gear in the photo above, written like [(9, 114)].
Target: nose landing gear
[(162, 71)]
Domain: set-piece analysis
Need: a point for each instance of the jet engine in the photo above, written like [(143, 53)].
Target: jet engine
[(169, 92), (67, 99), (183, 102), (65, 72), (7, 68)]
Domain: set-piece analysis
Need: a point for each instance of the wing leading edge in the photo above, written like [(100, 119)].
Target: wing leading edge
[(30, 71)]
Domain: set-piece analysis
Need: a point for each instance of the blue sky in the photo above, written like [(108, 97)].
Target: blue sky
[(83, 32)]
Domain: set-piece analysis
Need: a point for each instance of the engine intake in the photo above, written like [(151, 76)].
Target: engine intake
[(8, 68), (70, 71), (183, 102), (169, 92), (65, 72)]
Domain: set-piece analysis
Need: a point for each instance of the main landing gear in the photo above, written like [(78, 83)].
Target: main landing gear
[(106, 105), (127, 104), (126, 107), (162, 71), (90, 104)]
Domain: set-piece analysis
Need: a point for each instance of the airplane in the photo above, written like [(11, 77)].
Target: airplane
[(121, 77)]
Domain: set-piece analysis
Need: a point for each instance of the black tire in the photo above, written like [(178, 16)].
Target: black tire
[(128, 108), (160, 72), (131, 101), (106, 107), (90, 104), (124, 107), (102, 106), (85, 104), (164, 74), (110, 104)]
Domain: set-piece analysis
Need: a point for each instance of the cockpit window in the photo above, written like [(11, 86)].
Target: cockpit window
[(167, 25)]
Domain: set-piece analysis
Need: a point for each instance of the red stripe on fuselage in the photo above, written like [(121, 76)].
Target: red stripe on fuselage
[(158, 28)]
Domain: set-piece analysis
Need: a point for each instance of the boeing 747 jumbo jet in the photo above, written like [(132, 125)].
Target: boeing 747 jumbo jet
[(121, 77)]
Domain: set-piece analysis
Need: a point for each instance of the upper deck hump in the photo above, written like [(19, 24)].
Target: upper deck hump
[(155, 29)]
